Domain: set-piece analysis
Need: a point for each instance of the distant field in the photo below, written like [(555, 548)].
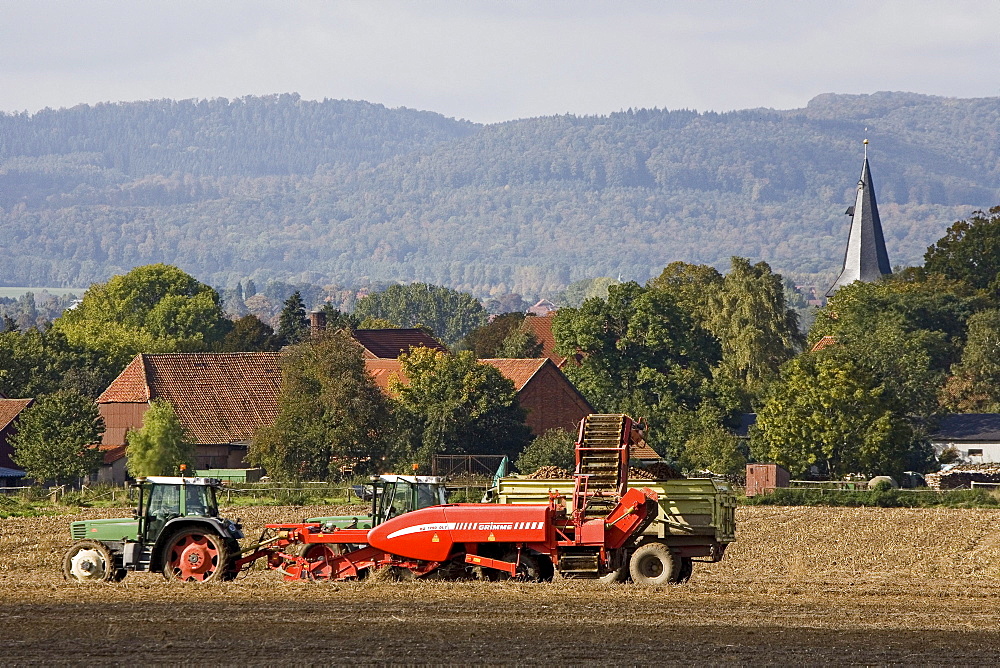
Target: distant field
[(59, 292)]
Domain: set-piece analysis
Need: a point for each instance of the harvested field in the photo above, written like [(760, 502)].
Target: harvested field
[(802, 585)]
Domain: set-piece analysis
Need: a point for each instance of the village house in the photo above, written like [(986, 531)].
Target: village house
[(10, 409), (222, 398)]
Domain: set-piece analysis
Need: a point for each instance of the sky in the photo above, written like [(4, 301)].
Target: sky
[(495, 61)]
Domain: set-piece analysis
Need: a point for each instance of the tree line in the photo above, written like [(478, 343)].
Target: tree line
[(693, 351)]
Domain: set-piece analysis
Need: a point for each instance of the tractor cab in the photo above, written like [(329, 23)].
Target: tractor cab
[(401, 494), (163, 498), (391, 495)]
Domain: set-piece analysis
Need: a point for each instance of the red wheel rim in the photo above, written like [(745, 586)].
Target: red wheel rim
[(320, 559), (194, 558)]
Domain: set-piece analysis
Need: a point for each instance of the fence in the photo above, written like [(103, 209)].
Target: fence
[(466, 466)]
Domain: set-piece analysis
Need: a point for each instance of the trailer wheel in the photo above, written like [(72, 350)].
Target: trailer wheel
[(653, 564), (90, 561), (191, 555)]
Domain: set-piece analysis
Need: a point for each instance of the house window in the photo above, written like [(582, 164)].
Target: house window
[(975, 452)]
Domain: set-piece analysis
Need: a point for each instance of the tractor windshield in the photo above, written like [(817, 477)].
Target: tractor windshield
[(165, 500), (200, 501), (428, 495)]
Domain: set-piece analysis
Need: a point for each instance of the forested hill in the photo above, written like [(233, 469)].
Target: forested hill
[(336, 191)]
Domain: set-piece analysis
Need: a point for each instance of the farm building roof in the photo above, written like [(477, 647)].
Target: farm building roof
[(391, 343), (540, 327), (968, 427), (824, 342), (10, 409), (218, 397), (10, 473), (518, 371)]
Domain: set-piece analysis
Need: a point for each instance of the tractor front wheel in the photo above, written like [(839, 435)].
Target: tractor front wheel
[(90, 561), (191, 555)]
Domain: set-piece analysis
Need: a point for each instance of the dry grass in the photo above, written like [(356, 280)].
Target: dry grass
[(846, 585)]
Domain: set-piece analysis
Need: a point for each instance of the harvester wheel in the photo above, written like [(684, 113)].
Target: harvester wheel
[(89, 561), (527, 570), (191, 555), (321, 553), (653, 564)]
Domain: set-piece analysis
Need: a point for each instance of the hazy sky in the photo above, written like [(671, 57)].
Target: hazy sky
[(495, 61)]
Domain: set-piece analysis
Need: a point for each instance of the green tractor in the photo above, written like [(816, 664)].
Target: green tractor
[(175, 530), (390, 495)]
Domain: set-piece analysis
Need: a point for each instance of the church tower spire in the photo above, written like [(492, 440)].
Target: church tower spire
[(866, 258)]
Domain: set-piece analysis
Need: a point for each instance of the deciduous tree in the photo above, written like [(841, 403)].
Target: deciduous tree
[(161, 445), (450, 314), (332, 419), (452, 404), (57, 438)]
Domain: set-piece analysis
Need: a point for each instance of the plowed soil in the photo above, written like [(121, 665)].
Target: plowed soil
[(801, 586)]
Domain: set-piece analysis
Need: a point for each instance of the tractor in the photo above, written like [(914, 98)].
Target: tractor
[(174, 530)]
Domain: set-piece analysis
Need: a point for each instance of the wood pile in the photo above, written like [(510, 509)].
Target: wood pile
[(963, 475), (549, 473)]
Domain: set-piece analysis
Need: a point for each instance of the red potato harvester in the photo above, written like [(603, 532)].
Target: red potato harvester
[(492, 541)]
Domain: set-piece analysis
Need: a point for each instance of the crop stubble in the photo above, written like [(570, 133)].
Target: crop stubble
[(845, 585)]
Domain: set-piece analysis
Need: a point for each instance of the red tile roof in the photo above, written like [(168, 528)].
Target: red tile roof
[(218, 397), (824, 342), (540, 327), (519, 371), (112, 453), (10, 409), (391, 343), (384, 370)]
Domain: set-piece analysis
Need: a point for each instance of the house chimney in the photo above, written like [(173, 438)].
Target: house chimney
[(317, 323)]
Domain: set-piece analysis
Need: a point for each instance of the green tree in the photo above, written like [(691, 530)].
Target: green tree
[(555, 447), (450, 314), (452, 404), (57, 438), (969, 251), (640, 354), (249, 334), (829, 411), (161, 445), (293, 325), (758, 332), (974, 384), (503, 337), (154, 308), (691, 285), (33, 363), (337, 319), (332, 418)]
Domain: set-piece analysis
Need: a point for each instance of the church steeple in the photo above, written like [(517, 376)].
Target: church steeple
[(866, 258)]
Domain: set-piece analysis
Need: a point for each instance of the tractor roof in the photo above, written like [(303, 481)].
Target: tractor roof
[(176, 480), (432, 479)]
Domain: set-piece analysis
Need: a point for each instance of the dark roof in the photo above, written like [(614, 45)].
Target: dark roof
[(218, 397), (968, 427), (865, 258), (391, 343), (10, 409), (10, 473)]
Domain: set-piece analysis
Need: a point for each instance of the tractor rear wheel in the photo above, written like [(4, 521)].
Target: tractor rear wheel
[(90, 561), (191, 555), (653, 564)]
